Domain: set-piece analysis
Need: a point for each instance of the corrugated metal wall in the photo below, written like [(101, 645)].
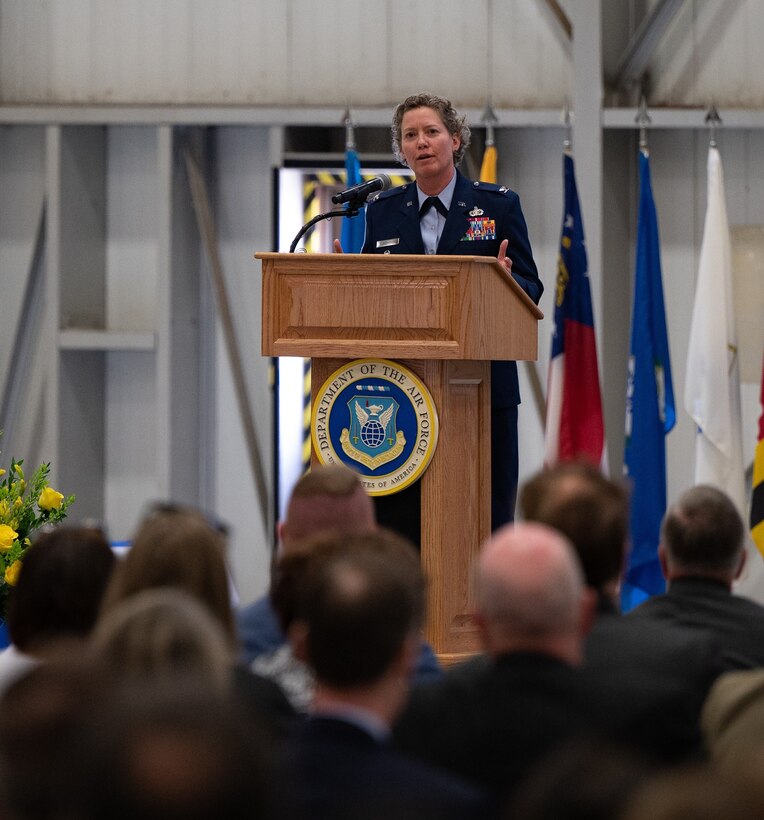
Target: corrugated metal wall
[(291, 52), (370, 52)]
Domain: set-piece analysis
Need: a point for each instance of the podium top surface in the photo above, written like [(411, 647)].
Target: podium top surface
[(396, 305)]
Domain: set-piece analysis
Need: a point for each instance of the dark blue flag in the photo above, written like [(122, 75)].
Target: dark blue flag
[(650, 412)]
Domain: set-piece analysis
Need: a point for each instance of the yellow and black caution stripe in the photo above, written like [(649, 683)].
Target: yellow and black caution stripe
[(305, 415), (311, 200), (311, 204)]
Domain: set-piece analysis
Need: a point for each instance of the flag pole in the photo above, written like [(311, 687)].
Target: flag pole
[(347, 120), (488, 167), (353, 228), (489, 119), (714, 121), (567, 143), (643, 121)]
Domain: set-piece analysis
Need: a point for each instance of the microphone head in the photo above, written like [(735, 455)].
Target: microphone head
[(359, 193), (383, 185)]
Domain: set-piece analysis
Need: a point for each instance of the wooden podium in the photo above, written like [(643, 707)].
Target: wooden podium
[(445, 318)]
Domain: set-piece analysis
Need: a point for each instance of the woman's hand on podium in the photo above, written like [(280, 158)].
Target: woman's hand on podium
[(338, 246)]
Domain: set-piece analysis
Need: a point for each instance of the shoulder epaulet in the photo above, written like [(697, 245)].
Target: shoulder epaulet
[(397, 191), (478, 185)]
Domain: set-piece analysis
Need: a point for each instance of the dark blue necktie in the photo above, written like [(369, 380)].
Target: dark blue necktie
[(433, 202)]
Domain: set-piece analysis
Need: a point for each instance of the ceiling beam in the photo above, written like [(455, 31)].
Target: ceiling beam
[(643, 43)]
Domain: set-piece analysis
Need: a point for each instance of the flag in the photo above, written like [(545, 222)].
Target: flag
[(712, 386), (488, 167), (650, 411), (574, 422), (757, 485), (353, 227)]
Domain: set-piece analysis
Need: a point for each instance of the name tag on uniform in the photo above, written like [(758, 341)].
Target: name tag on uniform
[(386, 243)]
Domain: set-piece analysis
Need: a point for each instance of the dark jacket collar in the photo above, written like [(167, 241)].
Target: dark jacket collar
[(335, 728), (690, 584)]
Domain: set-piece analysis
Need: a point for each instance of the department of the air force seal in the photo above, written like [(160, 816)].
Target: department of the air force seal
[(377, 417)]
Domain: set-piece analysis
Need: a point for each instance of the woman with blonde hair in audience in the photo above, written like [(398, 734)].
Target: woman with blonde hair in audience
[(177, 547), (163, 633)]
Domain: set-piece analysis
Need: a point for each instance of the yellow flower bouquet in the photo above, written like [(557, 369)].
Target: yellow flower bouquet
[(24, 507)]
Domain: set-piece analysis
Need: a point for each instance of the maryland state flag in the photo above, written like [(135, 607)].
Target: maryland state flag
[(757, 494)]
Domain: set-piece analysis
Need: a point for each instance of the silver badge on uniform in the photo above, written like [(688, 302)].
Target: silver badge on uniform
[(386, 243)]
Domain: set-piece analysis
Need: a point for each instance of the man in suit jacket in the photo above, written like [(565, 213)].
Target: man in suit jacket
[(358, 606), (701, 553), (492, 722), (445, 213), (649, 679), (328, 498)]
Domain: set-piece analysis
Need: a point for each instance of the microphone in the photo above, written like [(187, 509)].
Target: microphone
[(362, 191)]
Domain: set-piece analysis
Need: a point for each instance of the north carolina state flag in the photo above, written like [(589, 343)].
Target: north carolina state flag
[(574, 422)]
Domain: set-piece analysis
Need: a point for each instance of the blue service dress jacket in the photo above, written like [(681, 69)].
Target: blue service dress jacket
[(480, 217)]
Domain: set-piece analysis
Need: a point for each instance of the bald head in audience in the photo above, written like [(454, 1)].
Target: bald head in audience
[(328, 498), (530, 593)]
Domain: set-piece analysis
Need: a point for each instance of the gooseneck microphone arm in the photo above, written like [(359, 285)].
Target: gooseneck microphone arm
[(354, 199), (352, 210)]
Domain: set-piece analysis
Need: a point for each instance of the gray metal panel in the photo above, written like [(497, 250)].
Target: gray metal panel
[(295, 52), (82, 240)]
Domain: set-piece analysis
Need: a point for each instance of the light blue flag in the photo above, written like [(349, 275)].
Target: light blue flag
[(353, 227), (650, 412)]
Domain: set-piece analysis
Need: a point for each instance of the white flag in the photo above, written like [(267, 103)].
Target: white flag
[(712, 386)]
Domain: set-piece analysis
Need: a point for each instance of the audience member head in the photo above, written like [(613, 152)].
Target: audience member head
[(530, 593), (702, 535), (732, 719), (585, 779), (163, 633), (41, 716), (359, 606), (60, 587), (177, 547), (326, 498), (174, 752), (701, 793), (587, 508)]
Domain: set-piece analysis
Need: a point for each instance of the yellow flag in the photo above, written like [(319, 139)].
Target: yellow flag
[(488, 168)]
